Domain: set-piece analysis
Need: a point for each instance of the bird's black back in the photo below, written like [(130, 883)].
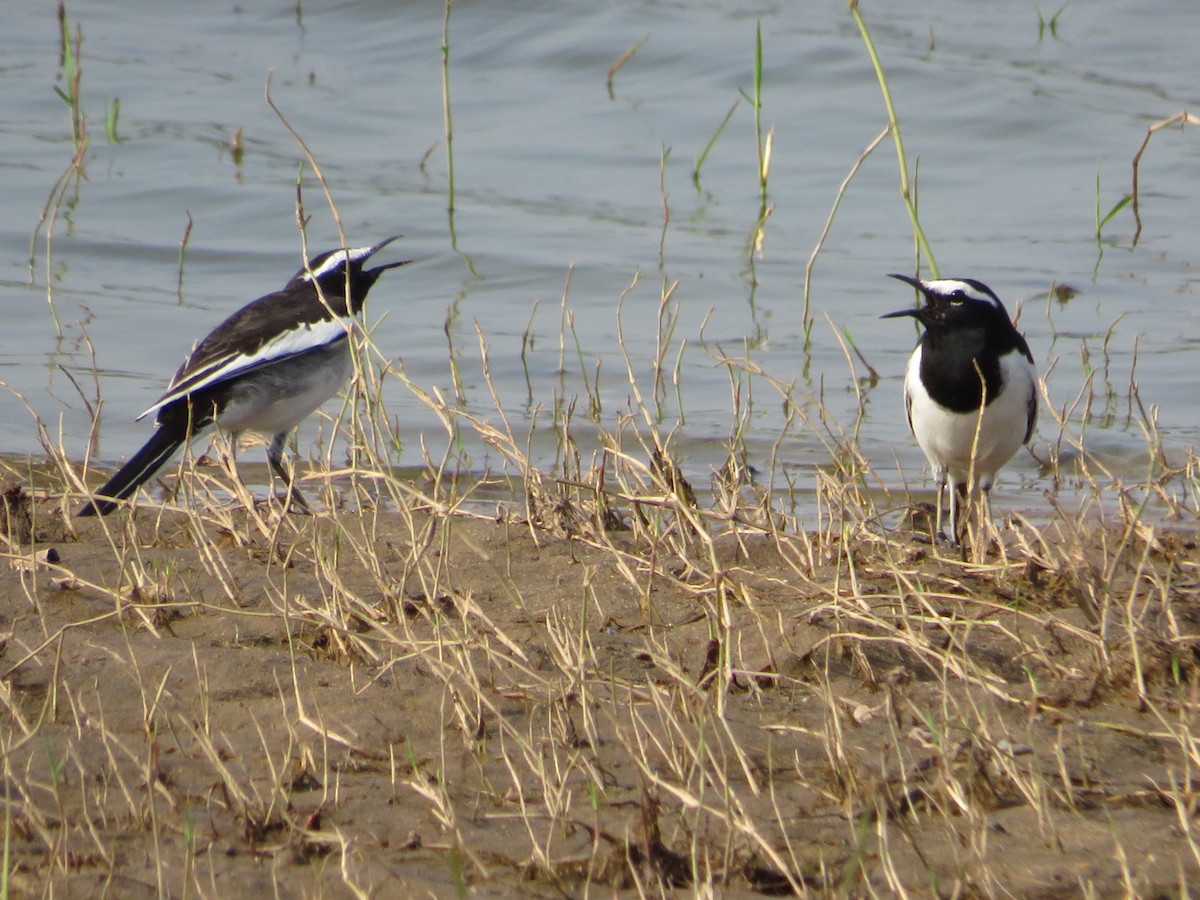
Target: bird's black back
[(298, 302)]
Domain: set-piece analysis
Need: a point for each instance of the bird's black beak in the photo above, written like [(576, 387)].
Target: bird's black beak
[(396, 237), (911, 280), (912, 310), (378, 270), (392, 265)]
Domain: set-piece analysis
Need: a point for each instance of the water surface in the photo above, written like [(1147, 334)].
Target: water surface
[(562, 187)]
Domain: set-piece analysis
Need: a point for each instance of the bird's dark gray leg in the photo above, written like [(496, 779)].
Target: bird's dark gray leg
[(941, 476), (275, 458)]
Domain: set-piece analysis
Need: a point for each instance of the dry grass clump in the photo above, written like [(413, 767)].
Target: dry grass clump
[(617, 681)]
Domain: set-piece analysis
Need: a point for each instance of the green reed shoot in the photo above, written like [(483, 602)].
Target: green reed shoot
[(111, 116), (762, 141), (712, 141), (1101, 221), (907, 191), (448, 122), (763, 144), (71, 49), (1051, 24)]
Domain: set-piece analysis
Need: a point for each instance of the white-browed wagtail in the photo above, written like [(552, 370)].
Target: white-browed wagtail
[(265, 369), (969, 358)]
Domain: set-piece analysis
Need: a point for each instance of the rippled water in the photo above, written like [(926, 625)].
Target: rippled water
[(562, 187)]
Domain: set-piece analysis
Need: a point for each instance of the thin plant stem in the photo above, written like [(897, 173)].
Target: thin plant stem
[(527, 339), (621, 60), (762, 144), (183, 242), (906, 191), (1183, 118), (446, 117), (837, 201)]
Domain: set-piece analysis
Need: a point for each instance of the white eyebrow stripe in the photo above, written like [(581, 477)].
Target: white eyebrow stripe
[(336, 258), (300, 339), (948, 286)]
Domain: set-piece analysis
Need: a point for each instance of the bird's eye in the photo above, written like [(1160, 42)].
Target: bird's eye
[(958, 298)]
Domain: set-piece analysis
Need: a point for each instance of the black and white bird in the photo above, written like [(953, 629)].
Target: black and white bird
[(265, 369), (970, 358)]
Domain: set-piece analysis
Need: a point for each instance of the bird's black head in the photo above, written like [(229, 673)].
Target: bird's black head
[(329, 272), (955, 303)]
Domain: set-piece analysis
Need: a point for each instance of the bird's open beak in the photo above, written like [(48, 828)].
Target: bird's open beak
[(912, 310)]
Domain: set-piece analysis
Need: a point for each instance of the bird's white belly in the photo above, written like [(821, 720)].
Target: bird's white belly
[(947, 438), (280, 396)]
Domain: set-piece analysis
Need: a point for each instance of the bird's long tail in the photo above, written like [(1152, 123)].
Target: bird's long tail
[(169, 437)]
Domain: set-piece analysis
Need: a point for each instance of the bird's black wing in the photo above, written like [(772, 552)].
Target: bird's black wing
[(252, 338), (1032, 404), (1031, 412)]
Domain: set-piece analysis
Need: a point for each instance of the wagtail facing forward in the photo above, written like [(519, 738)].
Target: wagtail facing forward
[(970, 357)]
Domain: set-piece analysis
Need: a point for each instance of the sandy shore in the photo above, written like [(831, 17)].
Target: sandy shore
[(416, 703)]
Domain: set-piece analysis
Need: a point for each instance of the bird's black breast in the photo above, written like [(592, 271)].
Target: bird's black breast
[(951, 366)]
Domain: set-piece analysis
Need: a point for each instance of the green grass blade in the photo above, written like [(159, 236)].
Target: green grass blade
[(112, 114), (712, 141)]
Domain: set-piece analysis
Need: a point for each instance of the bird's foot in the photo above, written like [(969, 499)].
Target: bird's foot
[(945, 540)]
